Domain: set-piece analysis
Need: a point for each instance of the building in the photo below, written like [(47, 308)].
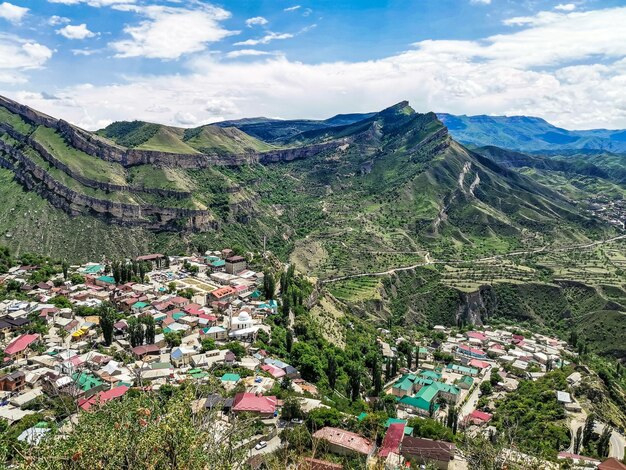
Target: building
[(462, 370), (264, 407), (342, 442), (611, 464), (422, 451), (468, 351), (392, 441), (235, 264), (20, 347), (12, 382)]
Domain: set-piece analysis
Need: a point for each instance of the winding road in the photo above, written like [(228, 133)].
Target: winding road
[(617, 442)]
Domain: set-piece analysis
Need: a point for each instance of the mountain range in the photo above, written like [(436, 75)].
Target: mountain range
[(393, 184), (531, 134)]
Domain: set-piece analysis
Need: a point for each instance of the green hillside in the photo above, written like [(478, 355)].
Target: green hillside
[(205, 139)]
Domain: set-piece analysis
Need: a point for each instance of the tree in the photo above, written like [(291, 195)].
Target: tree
[(377, 377), (208, 344), (407, 349), (289, 340), (135, 332), (588, 431), (107, 319), (292, 408), (173, 338), (603, 442), (486, 388), (354, 372), (431, 408), (150, 328), (331, 371), (142, 272), (171, 287), (65, 266), (237, 349), (578, 440), (269, 285)]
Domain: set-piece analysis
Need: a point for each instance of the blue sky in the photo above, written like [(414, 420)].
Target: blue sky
[(192, 62)]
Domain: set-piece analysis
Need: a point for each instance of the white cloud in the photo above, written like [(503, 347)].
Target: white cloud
[(293, 8), (76, 32), (270, 36), (12, 13), (56, 20), (93, 3), (170, 32), (257, 20), (565, 7), (569, 69), (18, 55), (246, 52), (480, 2), (85, 52)]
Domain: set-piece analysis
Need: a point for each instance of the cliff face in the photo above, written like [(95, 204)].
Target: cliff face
[(37, 179)]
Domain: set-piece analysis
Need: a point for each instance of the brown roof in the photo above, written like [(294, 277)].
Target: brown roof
[(149, 257), (612, 464), (427, 449), (316, 464), (346, 439), (235, 259)]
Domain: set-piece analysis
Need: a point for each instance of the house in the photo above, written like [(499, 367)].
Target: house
[(235, 264), (404, 385), (104, 281), (222, 294), (342, 442), (611, 464), (20, 347), (478, 418), (393, 439), (214, 332), (263, 406), (465, 382), (102, 397), (147, 350), (422, 451), (12, 382), (156, 259), (462, 370), (468, 351), (309, 463), (563, 398)]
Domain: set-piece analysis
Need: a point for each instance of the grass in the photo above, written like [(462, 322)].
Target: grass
[(356, 290), (83, 164), (15, 121), (148, 176), (167, 139), (28, 223)]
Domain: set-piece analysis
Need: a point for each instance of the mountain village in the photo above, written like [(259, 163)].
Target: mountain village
[(196, 319)]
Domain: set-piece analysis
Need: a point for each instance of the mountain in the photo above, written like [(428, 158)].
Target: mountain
[(530, 134), (275, 130), (349, 194)]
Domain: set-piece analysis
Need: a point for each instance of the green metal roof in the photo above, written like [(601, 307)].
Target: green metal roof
[(429, 374), (96, 268), (362, 416), (86, 381), (405, 382), (139, 305), (230, 378), (107, 279), (427, 393), (462, 369)]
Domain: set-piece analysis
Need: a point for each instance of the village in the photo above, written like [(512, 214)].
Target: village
[(196, 318)]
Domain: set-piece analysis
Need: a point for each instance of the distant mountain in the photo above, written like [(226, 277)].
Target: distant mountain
[(530, 134), (276, 130)]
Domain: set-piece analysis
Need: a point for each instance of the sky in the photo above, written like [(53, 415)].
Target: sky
[(192, 62)]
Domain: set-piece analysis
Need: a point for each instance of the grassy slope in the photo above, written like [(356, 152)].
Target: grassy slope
[(29, 223)]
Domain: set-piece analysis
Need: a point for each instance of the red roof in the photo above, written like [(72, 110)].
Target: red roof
[(20, 343), (276, 372), (479, 364), (611, 464), (149, 257), (102, 397), (346, 439), (476, 335), (222, 292), (392, 440), (477, 415), (465, 347), (256, 403)]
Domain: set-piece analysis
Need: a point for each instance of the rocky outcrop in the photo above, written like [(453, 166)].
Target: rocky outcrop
[(37, 179), (99, 147)]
